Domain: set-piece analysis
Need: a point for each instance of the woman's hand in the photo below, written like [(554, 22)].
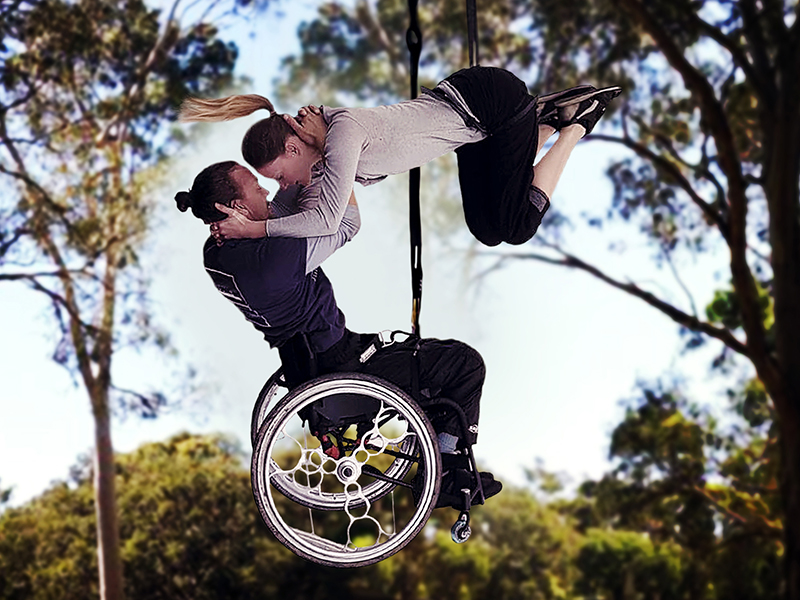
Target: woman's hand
[(235, 226), (309, 126)]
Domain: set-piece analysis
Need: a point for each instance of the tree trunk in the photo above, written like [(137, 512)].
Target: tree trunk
[(790, 491), (783, 198), (108, 556)]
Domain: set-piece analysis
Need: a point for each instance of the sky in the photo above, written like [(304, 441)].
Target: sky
[(562, 349)]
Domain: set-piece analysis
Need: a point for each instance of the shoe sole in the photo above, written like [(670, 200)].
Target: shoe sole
[(614, 90), (555, 95)]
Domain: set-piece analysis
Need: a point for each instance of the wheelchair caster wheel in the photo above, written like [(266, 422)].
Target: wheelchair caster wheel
[(461, 530)]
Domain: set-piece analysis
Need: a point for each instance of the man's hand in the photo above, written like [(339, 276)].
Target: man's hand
[(309, 126)]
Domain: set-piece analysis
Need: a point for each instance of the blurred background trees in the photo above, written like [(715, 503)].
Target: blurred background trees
[(648, 529), (88, 91), (697, 506), (710, 126)]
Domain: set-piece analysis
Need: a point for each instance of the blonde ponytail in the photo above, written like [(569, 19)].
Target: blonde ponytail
[(223, 109)]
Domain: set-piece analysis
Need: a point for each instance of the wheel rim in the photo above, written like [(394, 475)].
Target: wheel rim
[(342, 515)]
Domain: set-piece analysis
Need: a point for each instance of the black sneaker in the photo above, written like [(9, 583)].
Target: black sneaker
[(588, 110), (491, 487), (546, 108)]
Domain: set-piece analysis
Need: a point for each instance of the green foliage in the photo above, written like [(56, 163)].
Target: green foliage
[(5, 496), (47, 548), (687, 513), (188, 525), (626, 562), (190, 529), (87, 93), (685, 501)]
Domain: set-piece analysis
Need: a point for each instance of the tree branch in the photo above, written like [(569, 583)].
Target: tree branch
[(758, 48), (685, 289), (6, 245), (166, 37), (375, 28), (673, 171), (32, 276), (738, 54), (716, 120), (69, 299), (771, 526), (150, 403), (677, 315), (55, 297)]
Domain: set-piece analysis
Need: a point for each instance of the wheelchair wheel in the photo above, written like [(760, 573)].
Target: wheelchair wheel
[(368, 502), (312, 497)]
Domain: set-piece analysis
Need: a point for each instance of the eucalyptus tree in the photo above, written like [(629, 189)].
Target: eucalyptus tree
[(88, 89)]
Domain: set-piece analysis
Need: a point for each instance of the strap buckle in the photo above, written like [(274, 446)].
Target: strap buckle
[(384, 339), (388, 337)]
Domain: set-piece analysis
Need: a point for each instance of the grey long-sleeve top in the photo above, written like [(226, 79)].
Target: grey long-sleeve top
[(366, 145), (294, 199)]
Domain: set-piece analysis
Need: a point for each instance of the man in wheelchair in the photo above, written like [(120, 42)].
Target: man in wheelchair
[(278, 285)]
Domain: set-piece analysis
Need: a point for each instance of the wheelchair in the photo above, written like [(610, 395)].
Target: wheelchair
[(346, 468)]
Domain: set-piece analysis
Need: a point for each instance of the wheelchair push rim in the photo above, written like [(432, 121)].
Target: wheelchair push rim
[(364, 523), (316, 499)]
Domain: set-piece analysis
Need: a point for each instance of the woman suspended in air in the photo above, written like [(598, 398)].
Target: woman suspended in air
[(484, 114)]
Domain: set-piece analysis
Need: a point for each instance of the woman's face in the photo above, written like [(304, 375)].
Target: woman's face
[(252, 197), (293, 167)]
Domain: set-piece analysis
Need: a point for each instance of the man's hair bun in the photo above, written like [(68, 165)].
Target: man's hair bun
[(184, 200)]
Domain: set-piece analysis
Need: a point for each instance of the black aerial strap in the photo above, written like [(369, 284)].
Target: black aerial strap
[(472, 33), (414, 42)]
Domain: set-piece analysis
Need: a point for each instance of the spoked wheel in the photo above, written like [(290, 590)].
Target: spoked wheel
[(358, 508)]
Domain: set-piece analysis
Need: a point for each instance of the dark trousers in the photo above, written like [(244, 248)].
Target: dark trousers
[(446, 369), (495, 174)]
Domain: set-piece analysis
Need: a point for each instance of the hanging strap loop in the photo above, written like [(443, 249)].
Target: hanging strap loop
[(472, 33)]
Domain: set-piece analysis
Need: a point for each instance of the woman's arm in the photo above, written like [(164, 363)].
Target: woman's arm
[(332, 184), (326, 196), (320, 248)]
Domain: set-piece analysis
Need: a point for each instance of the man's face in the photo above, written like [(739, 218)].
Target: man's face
[(293, 167), (252, 197)]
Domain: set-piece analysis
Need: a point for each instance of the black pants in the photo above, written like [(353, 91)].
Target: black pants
[(495, 174), (446, 369)]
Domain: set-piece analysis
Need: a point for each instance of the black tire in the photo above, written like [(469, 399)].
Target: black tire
[(270, 391)]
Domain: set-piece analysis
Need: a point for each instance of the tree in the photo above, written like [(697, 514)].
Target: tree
[(691, 510), (188, 525), (626, 564), (88, 91), (190, 529), (710, 129)]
